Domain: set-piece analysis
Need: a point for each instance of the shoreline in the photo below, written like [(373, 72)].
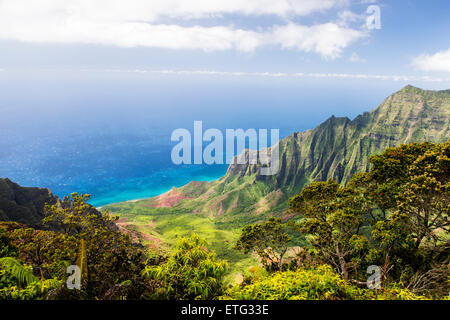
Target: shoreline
[(157, 195), (134, 200)]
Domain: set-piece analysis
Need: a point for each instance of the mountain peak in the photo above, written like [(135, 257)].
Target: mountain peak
[(339, 147), (410, 90), (336, 149), (411, 87)]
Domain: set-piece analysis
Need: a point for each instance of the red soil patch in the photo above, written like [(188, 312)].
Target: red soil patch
[(288, 216), (274, 196), (220, 209), (121, 223), (136, 236), (270, 201), (154, 242), (168, 199), (150, 225)]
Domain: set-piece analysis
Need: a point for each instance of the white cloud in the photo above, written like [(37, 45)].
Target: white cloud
[(151, 10), (439, 61), (326, 39), (134, 23), (347, 17), (356, 58)]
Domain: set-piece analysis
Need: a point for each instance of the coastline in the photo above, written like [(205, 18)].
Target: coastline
[(158, 194)]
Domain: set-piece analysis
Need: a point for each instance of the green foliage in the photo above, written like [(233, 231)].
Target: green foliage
[(48, 252), (191, 272), (413, 232), (395, 216), (269, 240), (424, 199), (159, 230), (18, 282), (333, 216), (6, 249), (22, 274), (321, 283), (108, 257)]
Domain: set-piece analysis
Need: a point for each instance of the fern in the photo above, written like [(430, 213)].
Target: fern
[(23, 274)]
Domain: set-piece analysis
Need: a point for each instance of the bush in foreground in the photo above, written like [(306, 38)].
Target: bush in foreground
[(322, 283), (191, 272)]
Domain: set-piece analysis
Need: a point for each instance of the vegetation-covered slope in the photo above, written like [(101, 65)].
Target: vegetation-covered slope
[(22, 204), (336, 149)]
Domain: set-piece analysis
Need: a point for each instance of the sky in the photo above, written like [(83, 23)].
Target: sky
[(231, 36), (187, 58)]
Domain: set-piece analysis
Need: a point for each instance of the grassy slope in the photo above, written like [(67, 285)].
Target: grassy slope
[(160, 228), (336, 149)]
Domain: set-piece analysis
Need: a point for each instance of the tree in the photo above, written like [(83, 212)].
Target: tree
[(191, 272), (423, 207), (395, 216), (6, 249), (333, 217), (112, 258), (410, 184), (269, 240), (48, 252), (424, 200)]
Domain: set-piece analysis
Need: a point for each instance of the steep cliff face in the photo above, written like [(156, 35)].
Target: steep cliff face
[(22, 204), (339, 147), (336, 149)]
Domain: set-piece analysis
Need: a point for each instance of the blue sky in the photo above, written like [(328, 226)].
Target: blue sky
[(188, 59), (297, 36)]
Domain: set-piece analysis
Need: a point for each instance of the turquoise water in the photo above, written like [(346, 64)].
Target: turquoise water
[(158, 183), (111, 168)]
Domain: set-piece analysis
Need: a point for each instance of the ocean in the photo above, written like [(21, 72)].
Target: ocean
[(110, 137), (112, 168)]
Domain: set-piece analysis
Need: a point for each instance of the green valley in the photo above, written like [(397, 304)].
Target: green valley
[(350, 196), (336, 149)]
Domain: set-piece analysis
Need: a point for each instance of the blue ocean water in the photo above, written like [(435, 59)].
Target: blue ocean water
[(109, 136), (112, 168)]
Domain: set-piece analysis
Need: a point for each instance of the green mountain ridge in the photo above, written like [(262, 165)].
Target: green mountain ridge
[(23, 204), (336, 149), (26, 205)]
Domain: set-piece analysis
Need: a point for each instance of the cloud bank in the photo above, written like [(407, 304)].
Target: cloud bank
[(439, 61), (358, 76), (140, 23)]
